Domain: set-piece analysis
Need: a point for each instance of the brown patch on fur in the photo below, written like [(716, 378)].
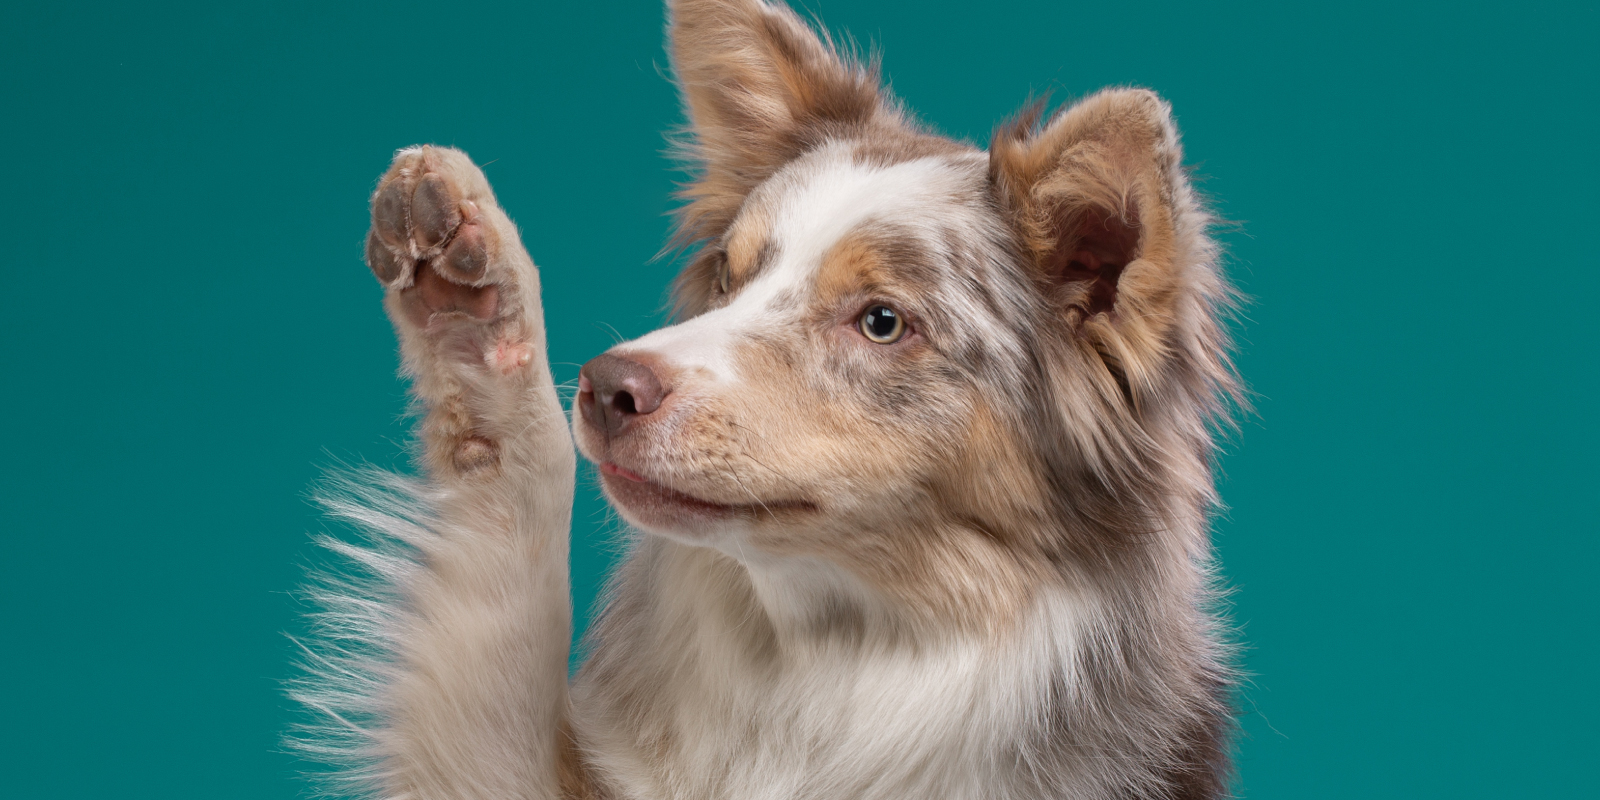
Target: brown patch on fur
[(996, 480), (956, 575), (873, 259), (449, 422), (476, 453), (747, 246)]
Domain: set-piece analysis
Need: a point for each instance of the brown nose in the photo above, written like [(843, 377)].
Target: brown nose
[(614, 391)]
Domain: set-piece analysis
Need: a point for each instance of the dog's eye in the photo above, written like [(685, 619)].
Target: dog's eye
[(723, 278), (882, 324)]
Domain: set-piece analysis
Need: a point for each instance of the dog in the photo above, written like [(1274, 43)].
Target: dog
[(921, 476)]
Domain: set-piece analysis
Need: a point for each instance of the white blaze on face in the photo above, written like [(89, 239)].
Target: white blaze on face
[(826, 196)]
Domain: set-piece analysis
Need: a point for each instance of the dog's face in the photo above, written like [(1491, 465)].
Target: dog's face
[(836, 368), (898, 352)]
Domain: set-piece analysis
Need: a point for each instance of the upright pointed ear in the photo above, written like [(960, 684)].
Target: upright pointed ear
[(1101, 203), (760, 88)]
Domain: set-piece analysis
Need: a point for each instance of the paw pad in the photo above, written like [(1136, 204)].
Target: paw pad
[(432, 241), (435, 211)]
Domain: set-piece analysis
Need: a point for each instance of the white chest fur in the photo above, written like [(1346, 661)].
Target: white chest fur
[(715, 692)]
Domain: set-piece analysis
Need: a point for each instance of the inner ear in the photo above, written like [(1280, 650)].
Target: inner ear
[(1093, 247)]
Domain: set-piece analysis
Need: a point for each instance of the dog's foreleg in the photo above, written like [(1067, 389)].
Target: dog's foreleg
[(473, 700)]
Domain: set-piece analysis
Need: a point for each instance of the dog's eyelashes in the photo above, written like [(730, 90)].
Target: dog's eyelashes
[(882, 324)]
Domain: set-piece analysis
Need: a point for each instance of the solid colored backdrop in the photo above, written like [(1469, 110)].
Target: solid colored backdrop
[(191, 339)]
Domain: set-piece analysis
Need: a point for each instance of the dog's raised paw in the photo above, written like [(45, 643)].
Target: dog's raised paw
[(436, 237)]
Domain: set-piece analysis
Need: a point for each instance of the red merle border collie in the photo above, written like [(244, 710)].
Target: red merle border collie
[(921, 476)]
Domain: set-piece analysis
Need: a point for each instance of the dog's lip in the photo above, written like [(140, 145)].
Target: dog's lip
[(612, 468), (662, 492)]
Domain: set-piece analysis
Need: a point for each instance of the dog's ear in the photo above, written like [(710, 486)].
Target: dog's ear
[(760, 88), (1104, 210)]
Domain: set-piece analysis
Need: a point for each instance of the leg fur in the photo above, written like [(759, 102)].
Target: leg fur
[(471, 618)]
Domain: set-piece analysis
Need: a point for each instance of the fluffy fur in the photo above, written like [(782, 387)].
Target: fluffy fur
[(971, 562)]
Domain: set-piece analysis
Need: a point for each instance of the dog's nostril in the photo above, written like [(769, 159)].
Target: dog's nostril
[(623, 403)]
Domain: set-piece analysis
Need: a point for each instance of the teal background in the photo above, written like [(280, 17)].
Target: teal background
[(191, 340)]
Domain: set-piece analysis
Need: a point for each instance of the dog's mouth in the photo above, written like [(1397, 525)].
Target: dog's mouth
[(653, 505)]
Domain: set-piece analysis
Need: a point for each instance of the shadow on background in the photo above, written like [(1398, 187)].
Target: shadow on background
[(192, 339)]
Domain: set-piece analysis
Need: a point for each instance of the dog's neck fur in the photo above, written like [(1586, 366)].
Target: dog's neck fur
[(829, 700), (833, 689)]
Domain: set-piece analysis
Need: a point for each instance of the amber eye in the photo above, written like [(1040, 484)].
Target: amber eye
[(882, 324)]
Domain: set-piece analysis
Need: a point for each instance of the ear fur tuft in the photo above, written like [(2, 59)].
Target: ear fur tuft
[(1100, 202), (759, 88)]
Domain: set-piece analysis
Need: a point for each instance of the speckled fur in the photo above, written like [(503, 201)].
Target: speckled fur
[(976, 562)]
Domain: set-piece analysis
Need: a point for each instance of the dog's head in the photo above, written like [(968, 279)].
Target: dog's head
[(903, 355)]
